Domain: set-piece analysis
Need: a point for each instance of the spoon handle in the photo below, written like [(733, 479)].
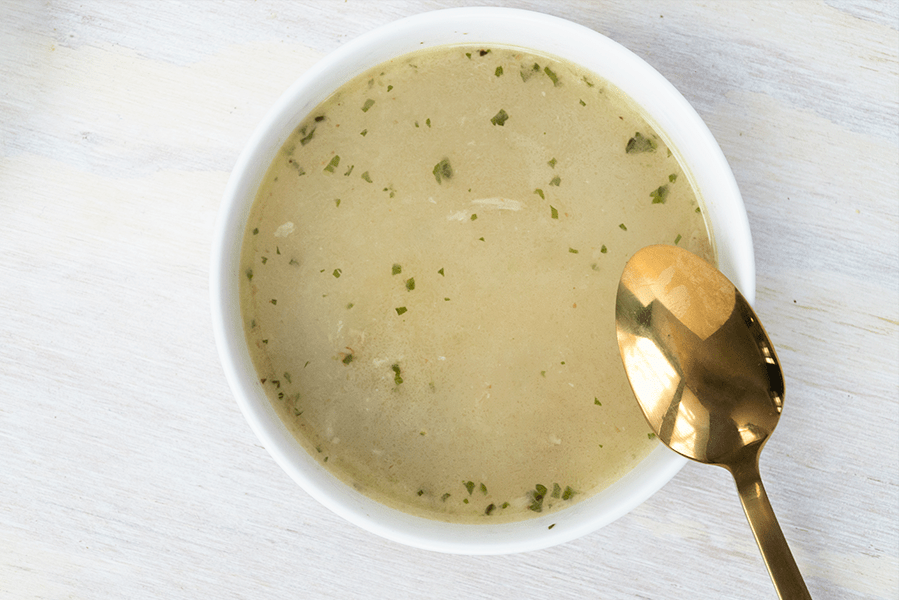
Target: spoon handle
[(768, 535)]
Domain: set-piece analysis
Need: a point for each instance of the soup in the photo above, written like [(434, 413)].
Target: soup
[(428, 279)]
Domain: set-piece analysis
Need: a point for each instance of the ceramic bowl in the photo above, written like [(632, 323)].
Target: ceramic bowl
[(666, 111)]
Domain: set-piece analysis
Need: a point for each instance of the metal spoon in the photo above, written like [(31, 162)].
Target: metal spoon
[(707, 378)]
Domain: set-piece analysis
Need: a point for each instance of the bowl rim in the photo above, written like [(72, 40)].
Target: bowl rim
[(668, 113)]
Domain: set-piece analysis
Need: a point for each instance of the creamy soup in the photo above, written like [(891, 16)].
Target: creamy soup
[(429, 275)]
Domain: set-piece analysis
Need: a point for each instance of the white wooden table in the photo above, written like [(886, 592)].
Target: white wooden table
[(126, 469)]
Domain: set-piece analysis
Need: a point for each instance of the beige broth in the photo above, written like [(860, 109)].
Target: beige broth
[(429, 274)]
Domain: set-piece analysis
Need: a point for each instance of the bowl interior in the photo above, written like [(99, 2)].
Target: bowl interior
[(664, 108)]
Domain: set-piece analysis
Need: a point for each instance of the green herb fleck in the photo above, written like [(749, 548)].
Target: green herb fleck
[(468, 54), (350, 170), (368, 104), (389, 87), (420, 492), (490, 508), (539, 192), (347, 359), (553, 213), (264, 259), (474, 217), (482, 239), (483, 489), (551, 526), (622, 226), (639, 143), (465, 500), (255, 231), (333, 164), (556, 180), (416, 123), (669, 150), (396, 373), (582, 102), (307, 364), (672, 178), (651, 436), (572, 250), (364, 132), (428, 122), (441, 271), (499, 71), (568, 494), (677, 239), (542, 373), (442, 170), (401, 310), (588, 82), (273, 301), (552, 76), (294, 262), (597, 402), (659, 195), (366, 177), (537, 495), (277, 250), (500, 118), (445, 496), (337, 202), (469, 485), (250, 274), (698, 211), (307, 138), (410, 284), (350, 305), (397, 269), (552, 162), (557, 490), (336, 272), (446, 299)]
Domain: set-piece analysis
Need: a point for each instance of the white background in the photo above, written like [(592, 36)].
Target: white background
[(126, 469)]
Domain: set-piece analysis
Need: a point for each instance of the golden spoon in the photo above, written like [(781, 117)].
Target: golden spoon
[(707, 378)]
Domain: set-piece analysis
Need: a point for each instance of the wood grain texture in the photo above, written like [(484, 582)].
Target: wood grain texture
[(126, 469)]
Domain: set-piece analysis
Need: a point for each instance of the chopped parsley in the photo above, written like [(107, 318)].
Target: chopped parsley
[(469, 485), (441, 271), (500, 118), (443, 170), (428, 122), (557, 490), (273, 301), (474, 217), (604, 250), (572, 250), (539, 192), (490, 508), (556, 180), (410, 284), (400, 310), (597, 402), (622, 226), (364, 132), (677, 239), (336, 272), (639, 143), (368, 104), (672, 178), (250, 274), (396, 373), (553, 213), (552, 76), (350, 170), (347, 359), (552, 162), (366, 177), (396, 269), (568, 494), (659, 195), (255, 230), (499, 71)]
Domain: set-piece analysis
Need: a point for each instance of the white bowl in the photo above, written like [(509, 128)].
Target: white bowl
[(666, 110)]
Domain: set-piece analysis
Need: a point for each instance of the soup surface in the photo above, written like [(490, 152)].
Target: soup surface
[(429, 275)]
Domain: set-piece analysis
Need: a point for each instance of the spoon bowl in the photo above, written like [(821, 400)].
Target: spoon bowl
[(707, 378)]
